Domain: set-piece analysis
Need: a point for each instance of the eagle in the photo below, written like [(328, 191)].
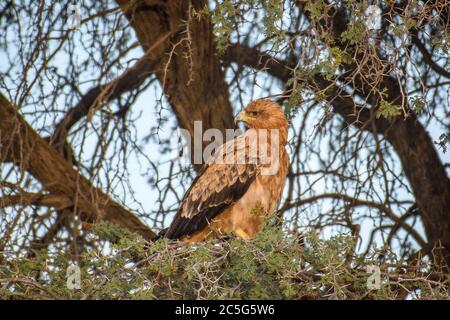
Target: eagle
[(242, 183)]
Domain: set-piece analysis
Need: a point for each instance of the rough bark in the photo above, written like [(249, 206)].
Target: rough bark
[(427, 177), (21, 145)]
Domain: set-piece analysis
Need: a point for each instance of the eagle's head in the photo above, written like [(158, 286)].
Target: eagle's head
[(263, 114)]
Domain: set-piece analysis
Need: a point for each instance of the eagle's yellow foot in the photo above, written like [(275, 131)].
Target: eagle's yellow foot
[(241, 233)]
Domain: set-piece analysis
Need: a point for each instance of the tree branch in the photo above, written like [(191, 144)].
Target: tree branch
[(342, 103), (427, 56), (359, 202), (25, 148), (58, 202), (129, 80)]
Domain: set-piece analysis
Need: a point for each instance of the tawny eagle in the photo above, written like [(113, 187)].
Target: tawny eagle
[(243, 181)]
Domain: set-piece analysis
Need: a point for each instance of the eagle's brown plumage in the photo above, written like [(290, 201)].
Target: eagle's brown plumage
[(242, 183)]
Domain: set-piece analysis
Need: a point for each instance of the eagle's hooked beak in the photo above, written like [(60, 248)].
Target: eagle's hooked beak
[(242, 116)]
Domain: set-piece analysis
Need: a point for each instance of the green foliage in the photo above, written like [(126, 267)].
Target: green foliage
[(417, 103), (441, 40), (226, 15), (355, 33), (336, 58), (271, 266), (111, 232), (402, 29), (387, 110), (315, 8), (442, 141), (273, 16), (222, 17)]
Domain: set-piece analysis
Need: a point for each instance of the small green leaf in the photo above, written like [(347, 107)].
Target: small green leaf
[(387, 110)]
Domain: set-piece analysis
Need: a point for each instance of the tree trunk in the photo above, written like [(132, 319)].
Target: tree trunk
[(427, 177), (189, 70)]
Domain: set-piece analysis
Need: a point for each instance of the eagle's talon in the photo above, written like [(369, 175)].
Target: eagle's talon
[(242, 234)]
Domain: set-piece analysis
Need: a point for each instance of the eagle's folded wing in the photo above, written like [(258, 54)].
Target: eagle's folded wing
[(217, 187)]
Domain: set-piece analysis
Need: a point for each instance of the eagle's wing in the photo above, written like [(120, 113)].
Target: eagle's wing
[(216, 187)]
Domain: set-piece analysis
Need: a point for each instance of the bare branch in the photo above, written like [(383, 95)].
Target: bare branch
[(24, 147)]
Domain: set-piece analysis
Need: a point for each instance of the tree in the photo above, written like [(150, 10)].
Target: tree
[(366, 88)]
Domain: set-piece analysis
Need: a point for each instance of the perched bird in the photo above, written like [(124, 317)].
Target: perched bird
[(242, 183)]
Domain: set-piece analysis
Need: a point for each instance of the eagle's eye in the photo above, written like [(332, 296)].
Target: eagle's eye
[(252, 113)]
